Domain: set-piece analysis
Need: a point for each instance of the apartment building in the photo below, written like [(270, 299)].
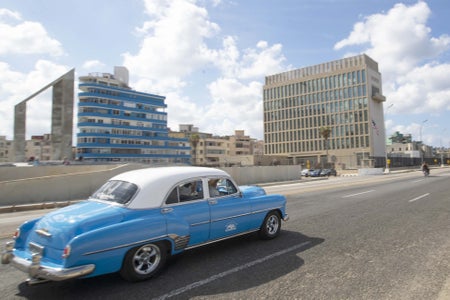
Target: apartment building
[(6, 147), (344, 96), (39, 147), (213, 151), (117, 123)]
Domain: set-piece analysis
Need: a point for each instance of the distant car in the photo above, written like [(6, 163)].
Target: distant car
[(305, 172), (328, 172), (137, 219), (315, 173)]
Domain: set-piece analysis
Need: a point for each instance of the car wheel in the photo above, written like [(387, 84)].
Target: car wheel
[(144, 262), (271, 226)]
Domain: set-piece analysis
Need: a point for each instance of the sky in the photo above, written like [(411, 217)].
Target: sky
[(209, 58)]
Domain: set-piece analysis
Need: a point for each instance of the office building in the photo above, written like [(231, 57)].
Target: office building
[(344, 96), (117, 123)]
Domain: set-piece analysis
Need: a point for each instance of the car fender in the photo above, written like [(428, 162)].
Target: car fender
[(107, 246), (24, 231)]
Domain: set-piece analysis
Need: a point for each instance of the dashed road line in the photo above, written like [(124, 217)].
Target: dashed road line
[(352, 195), (229, 272), (420, 197)]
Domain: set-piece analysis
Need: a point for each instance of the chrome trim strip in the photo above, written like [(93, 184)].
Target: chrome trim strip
[(43, 232), (200, 223), (231, 217), (221, 239), (237, 216), (266, 209), (125, 245)]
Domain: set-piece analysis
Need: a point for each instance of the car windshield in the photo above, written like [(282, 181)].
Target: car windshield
[(116, 191)]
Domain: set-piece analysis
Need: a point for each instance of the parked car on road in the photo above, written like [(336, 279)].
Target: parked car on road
[(328, 172), (137, 219), (315, 173), (305, 172)]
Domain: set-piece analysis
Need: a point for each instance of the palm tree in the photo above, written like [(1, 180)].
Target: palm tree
[(325, 132), (194, 139)]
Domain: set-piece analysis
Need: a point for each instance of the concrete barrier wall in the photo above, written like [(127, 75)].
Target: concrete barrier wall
[(65, 186), (370, 171), (16, 173), (263, 174), (36, 186)]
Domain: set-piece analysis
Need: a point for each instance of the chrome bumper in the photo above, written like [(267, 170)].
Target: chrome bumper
[(34, 268), (286, 218)]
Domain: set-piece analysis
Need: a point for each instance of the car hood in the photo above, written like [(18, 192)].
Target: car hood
[(252, 191), (57, 228)]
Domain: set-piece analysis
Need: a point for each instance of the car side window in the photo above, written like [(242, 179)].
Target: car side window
[(173, 196), (221, 187), (187, 191)]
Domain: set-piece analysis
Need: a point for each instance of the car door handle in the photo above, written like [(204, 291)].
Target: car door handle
[(212, 201), (166, 210)]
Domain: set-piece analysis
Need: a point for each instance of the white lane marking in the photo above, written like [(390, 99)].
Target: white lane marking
[(352, 195), (419, 180), (420, 197), (228, 272)]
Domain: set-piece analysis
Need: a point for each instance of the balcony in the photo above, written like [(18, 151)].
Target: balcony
[(378, 97)]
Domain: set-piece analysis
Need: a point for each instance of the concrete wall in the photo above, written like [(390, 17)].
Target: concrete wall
[(371, 171), (263, 174), (54, 184), (30, 185)]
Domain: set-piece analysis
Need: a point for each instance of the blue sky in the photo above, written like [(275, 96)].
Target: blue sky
[(209, 57)]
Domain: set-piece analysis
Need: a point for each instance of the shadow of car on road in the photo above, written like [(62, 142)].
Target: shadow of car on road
[(225, 267)]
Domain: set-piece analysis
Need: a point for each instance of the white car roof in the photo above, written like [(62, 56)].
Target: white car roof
[(154, 183)]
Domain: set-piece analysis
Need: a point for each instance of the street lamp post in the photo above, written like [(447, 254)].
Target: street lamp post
[(386, 169), (442, 149), (421, 142)]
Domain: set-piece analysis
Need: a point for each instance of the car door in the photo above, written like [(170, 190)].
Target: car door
[(229, 210), (187, 214)]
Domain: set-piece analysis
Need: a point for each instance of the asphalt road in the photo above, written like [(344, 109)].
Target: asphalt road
[(373, 237)]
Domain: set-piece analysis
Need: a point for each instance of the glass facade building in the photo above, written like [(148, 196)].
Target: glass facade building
[(116, 123), (344, 96)]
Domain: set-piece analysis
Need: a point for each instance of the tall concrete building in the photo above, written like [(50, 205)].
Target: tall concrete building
[(117, 123), (344, 96)]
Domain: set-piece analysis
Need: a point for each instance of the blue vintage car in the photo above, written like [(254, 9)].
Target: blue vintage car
[(137, 219)]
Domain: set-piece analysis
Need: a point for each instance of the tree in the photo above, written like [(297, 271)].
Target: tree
[(325, 132)]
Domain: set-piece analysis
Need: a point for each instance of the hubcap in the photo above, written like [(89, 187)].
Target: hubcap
[(272, 224), (146, 259)]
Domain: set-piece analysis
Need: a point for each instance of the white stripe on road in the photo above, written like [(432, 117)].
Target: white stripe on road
[(415, 181), (420, 197), (352, 195), (231, 271)]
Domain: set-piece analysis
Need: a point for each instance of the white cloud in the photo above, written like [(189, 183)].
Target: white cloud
[(93, 64), (173, 42), (6, 14), (175, 48), (25, 37), (423, 90), (399, 39), (414, 79), (234, 105)]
